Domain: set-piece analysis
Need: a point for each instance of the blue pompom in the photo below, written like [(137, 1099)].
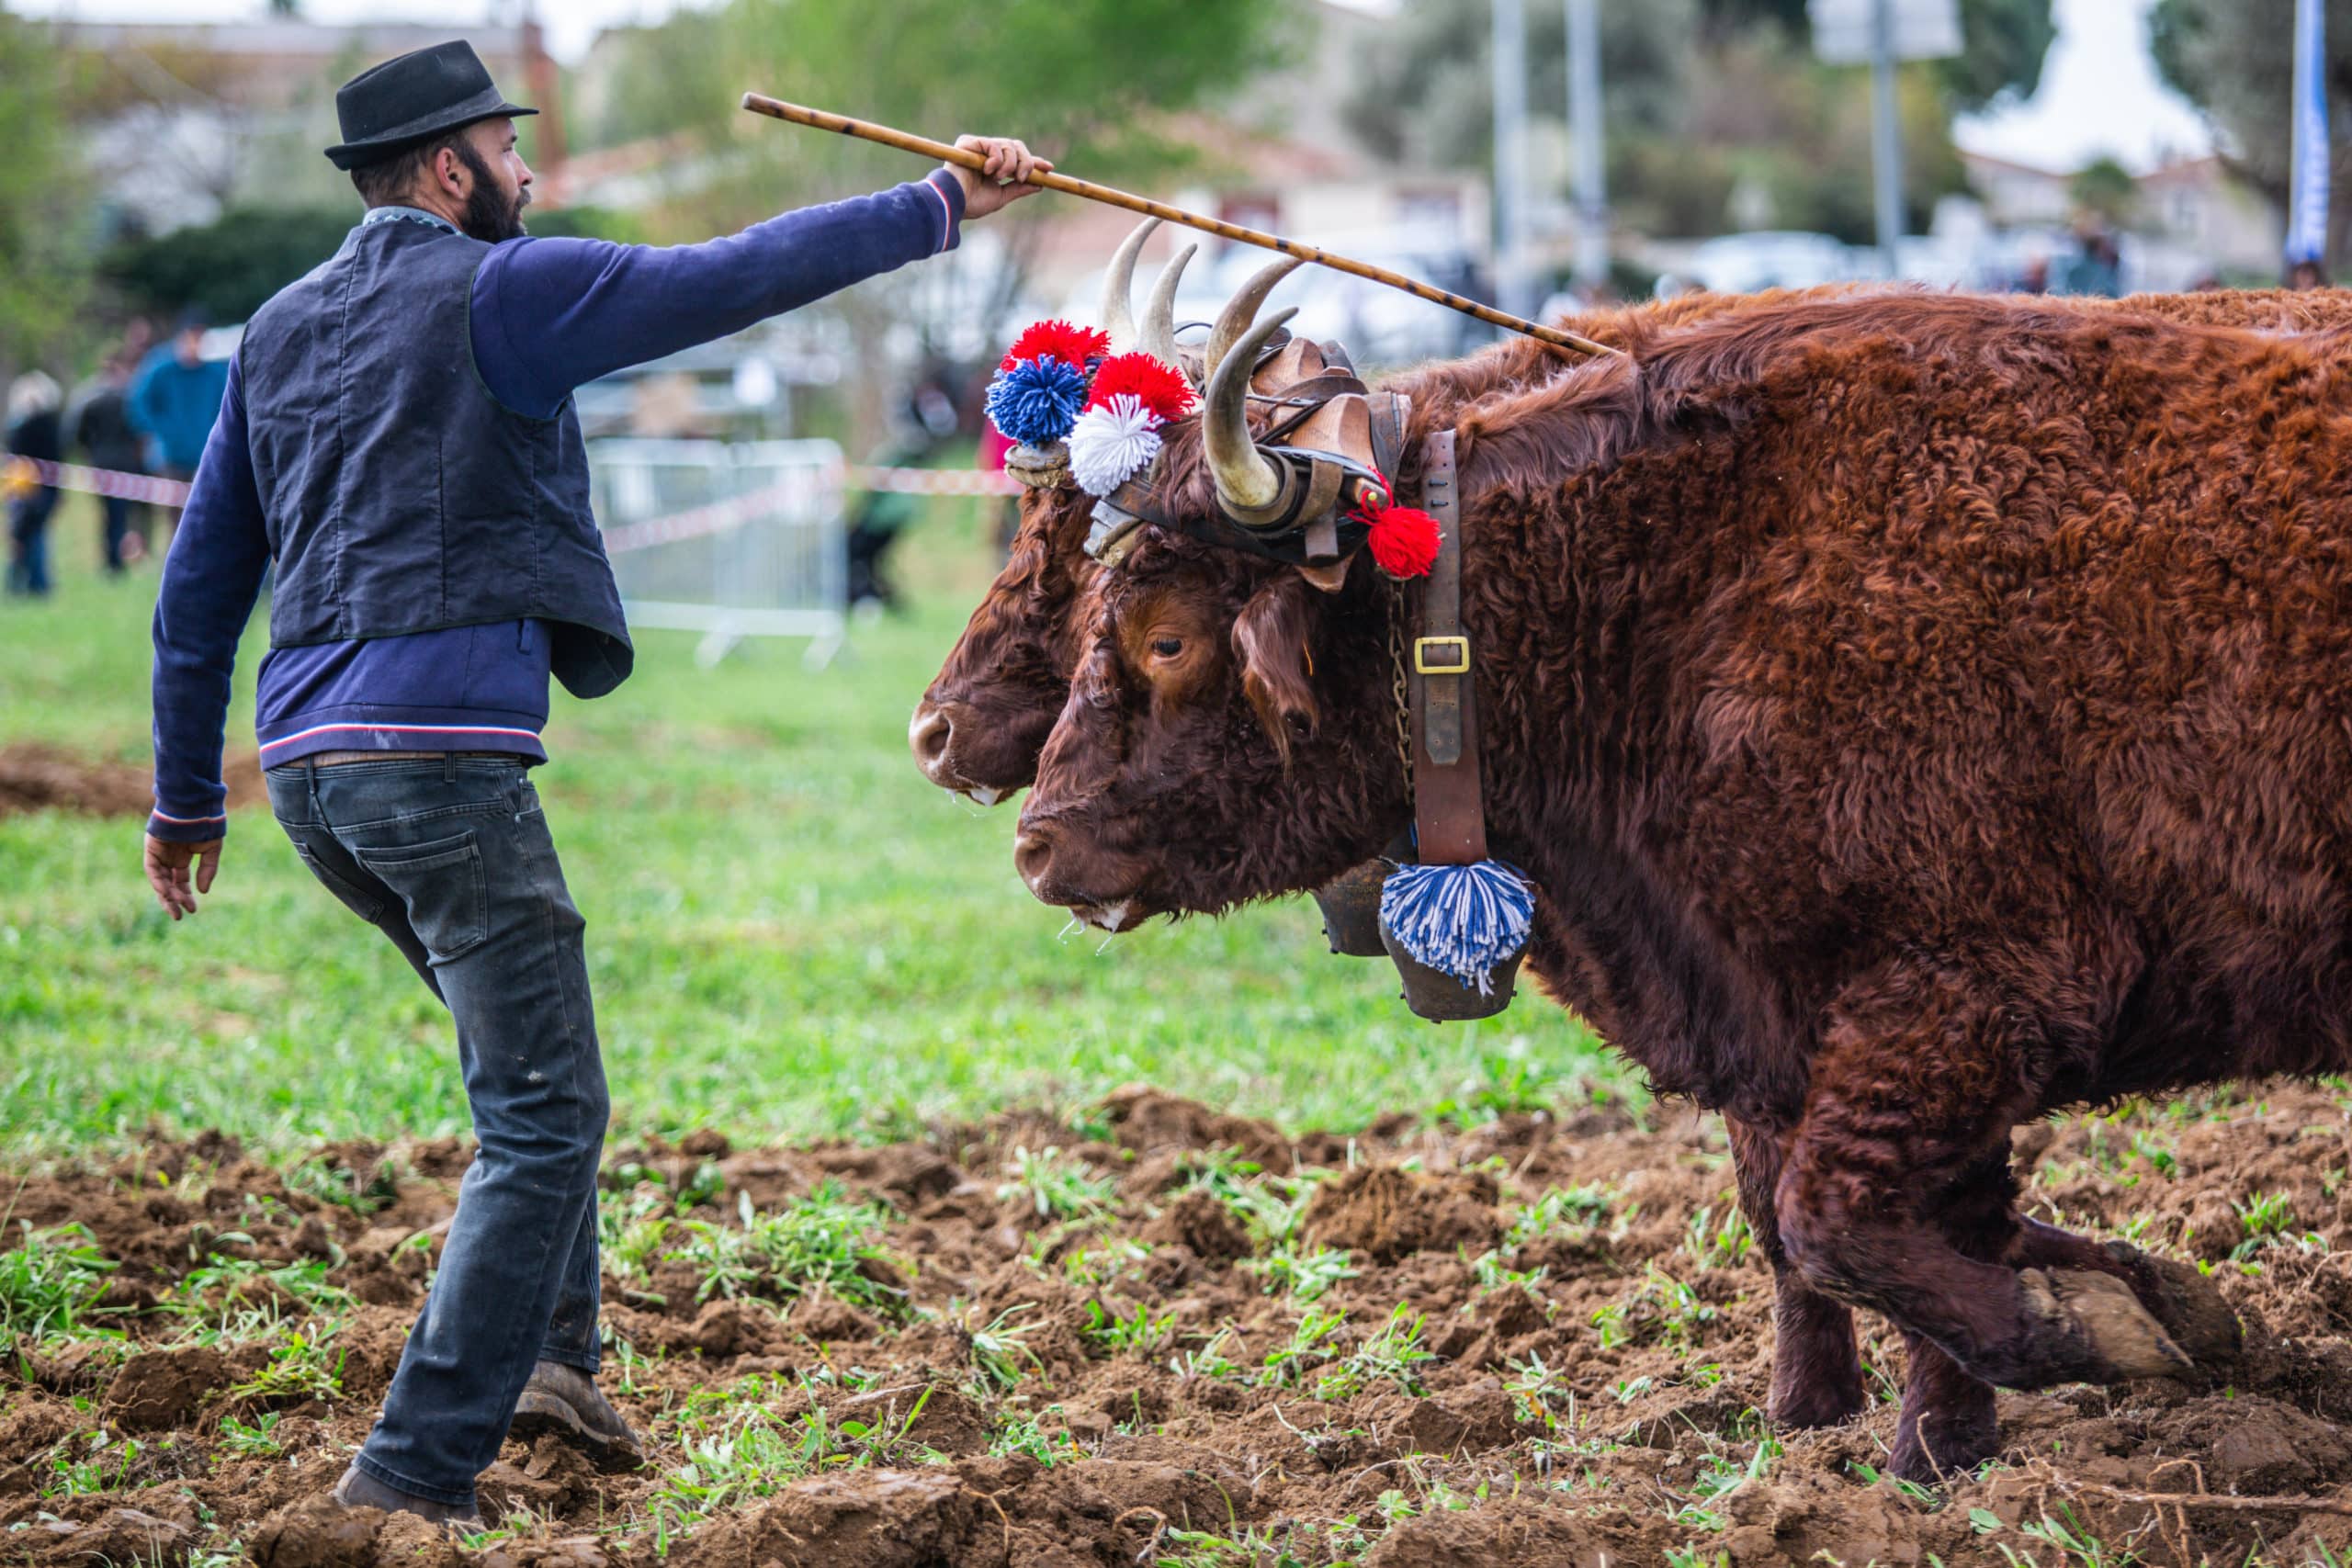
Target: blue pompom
[(1459, 920), (1036, 401)]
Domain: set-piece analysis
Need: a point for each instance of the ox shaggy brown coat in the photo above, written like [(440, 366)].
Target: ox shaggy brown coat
[(986, 716), (1917, 713)]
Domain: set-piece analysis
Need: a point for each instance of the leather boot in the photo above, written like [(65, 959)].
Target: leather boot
[(565, 1401), (357, 1489)]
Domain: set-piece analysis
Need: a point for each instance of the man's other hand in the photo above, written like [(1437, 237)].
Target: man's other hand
[(167, 872), (1007, 160)]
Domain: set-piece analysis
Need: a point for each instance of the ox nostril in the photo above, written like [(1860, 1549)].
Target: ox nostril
[(1032, 853), (929, 735)]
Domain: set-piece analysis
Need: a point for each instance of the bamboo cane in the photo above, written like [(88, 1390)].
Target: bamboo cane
[(776, 108)]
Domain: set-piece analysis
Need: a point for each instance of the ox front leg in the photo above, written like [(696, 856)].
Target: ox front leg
[(2177, 1295), (1894, 1196), (1816, 1368)]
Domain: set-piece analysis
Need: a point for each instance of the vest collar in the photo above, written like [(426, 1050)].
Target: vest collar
[(407, 215)]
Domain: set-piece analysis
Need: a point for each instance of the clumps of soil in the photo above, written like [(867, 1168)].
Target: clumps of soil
[(35, 777), (1388, 1213), (1163, 1335)]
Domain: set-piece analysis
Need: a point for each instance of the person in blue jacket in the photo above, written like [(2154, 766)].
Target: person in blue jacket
[(176, 397), (397, 437)]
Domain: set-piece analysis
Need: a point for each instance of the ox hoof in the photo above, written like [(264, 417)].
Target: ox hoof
[(2191, 1306), (1827, 1401), (1938, 1446), (2113, 1337)]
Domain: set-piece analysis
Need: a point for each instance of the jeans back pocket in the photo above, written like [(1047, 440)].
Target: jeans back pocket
[(443, 886)]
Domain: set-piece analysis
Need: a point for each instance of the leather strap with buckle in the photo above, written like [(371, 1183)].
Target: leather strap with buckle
[(1449, 804)]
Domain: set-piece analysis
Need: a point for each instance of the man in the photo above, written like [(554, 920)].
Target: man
[(398, 436), (98, 422), (32, 433), (176, 397)]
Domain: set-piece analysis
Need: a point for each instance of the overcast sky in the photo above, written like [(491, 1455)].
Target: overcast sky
[(2100, 91)]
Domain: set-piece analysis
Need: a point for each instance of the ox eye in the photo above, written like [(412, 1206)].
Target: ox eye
[(1168, 647)]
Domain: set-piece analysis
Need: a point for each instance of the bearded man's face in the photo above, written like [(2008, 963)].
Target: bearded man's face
[(494, 206)]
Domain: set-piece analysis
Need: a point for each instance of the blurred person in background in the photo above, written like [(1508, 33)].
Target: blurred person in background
[(2307, 274), (98, 425), (398, 434), (176, 397), (994, 444), (2099, 271), (34, 432), (925, 422)]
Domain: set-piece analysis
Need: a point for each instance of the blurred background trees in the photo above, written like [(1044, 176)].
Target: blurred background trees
[(1067, 75), (2233, 59), (1718, 114), (43, 262)]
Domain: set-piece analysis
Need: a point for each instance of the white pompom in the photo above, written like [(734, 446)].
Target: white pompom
[(1109, 446)]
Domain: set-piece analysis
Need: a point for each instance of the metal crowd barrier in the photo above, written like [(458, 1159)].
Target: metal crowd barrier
[(732, 541)]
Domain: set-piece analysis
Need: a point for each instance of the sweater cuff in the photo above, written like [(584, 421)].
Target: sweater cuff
[(951, 196), (178, 828)]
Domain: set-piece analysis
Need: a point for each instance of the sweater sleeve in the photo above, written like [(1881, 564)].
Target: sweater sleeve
[(551, 315), (211, 577)]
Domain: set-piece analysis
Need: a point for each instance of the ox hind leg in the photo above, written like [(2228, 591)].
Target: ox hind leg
[(1895, 1196), (1817, 1369)]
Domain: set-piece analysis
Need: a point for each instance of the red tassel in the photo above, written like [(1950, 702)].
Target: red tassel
[(1404, 540), (1056, 340), (1159, 386)]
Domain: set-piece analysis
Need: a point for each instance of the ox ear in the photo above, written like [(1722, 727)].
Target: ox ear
[(1270, 639)]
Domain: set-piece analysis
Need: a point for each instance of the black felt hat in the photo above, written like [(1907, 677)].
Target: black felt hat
[(391, 107)]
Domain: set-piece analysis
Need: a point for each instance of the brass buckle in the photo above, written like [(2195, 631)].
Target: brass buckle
[(1459, 647)]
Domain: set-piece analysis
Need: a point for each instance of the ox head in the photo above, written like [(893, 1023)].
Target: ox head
[(1230, 728), (1230, 734), (982, 722)]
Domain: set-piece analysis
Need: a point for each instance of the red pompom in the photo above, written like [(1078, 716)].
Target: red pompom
[(1155, 383), (1404, 540), (1056, 340)]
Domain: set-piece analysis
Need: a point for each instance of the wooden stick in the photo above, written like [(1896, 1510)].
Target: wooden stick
[(776, 108)]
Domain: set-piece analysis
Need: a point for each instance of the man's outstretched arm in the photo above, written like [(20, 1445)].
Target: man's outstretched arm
[(551, 315), (211, 577)]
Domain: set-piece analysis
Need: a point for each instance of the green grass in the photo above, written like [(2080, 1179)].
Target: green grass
[(790, 933)]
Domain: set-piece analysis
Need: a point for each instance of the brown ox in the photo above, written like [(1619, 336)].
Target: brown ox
[(1917, 714), (982, 722)]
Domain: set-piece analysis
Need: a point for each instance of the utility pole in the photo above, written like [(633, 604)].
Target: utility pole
[(1585, 121), (2307, 191), (1513, 281), (1886, 133)]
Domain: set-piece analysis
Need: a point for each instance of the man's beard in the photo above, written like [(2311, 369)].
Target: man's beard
[(490, 216)]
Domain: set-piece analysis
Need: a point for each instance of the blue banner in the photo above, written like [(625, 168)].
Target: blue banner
[(2307, 206)]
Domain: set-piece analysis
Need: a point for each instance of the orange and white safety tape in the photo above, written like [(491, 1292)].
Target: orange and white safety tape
[(20, 474)]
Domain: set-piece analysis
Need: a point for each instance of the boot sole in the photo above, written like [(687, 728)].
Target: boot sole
[(541, 1414)]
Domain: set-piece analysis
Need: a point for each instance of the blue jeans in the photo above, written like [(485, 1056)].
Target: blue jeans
[(28, 542), (450, 858)]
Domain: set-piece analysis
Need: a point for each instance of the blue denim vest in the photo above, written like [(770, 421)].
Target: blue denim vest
[(401, 496)]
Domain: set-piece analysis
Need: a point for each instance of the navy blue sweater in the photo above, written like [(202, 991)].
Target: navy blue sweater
[(548, 316)]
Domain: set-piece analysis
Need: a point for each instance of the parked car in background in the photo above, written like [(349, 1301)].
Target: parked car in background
[(1742, 264)]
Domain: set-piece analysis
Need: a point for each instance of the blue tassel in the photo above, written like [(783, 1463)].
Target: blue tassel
[(1459, 920), (1036, 401)]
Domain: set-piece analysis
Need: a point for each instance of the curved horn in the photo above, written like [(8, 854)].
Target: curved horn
[(1118, 287), (1246, 483), (1242, 309), (1159, 310)]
